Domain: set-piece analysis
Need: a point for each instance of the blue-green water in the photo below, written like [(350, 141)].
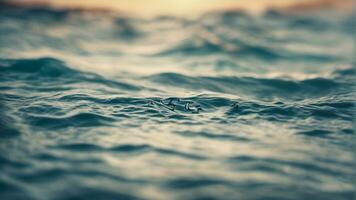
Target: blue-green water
[(225, 106)]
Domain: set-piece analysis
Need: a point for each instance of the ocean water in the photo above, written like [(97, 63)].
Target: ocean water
[(225, 106)]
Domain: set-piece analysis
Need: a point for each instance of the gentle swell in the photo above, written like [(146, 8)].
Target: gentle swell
[(252, 86), (51, 69), (223, 106)]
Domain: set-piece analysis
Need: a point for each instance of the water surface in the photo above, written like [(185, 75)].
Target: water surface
[(225, 106)]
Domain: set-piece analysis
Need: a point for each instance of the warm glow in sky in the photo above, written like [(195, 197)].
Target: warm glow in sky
[(176, 7), (194, 7)]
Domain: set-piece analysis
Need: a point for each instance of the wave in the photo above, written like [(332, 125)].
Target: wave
[(77, 120), (42, 67), (225, 105), (191, 183), (210, 43), (8, 131), (54, 70), (130, 148), (203, 47), (190, 110), (212, 136), (260, 87)]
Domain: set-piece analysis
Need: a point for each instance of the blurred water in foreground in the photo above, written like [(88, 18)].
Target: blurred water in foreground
[(226, 106)]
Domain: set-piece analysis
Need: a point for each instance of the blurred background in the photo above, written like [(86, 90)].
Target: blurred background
[(195, 7)]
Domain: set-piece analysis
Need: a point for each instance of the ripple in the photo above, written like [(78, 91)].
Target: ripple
[(77, 120), (131, 148), (95, 105), (128, 148), (7, 131), (212, 136), (316, 133), (96, 193), (191, 183), (248, 163), (81, 147)]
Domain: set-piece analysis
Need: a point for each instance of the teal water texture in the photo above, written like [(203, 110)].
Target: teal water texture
[(225, 106)]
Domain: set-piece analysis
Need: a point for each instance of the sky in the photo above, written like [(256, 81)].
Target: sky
[(182, 7)]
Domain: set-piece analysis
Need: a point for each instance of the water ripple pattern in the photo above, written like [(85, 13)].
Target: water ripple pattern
[(225, 106)]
